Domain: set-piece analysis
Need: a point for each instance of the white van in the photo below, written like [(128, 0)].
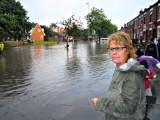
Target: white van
[(104, 39)]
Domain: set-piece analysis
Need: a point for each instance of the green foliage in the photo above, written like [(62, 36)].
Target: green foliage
[(10, 43), (48, 32), (50, 42), (13, 20), (14, 43), (98, 24), (83, 33), (72, 27)]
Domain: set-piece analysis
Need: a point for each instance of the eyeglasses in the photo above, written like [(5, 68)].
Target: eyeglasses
[(116, 49)]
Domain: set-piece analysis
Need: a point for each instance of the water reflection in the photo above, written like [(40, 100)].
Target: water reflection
[(14, 65), (42, 82), (2, 64), (37, 52)]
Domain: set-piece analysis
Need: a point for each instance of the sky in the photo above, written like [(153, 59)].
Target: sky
[(119, 12)]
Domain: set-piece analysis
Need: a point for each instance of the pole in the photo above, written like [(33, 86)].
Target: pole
[(87, 6), (87, 3)]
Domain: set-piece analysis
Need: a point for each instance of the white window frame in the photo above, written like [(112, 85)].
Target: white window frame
[(158, 31)]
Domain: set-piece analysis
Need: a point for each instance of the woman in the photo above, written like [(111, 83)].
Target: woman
[(125, 99)]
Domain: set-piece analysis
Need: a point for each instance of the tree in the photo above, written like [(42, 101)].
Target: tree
[(48, 32), (72, 26), (83, 34), (98, 23), (13, 20)]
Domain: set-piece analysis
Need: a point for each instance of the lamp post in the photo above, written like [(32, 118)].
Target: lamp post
[(87, 3)]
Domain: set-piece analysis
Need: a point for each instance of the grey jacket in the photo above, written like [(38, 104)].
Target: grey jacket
[(125, 99)]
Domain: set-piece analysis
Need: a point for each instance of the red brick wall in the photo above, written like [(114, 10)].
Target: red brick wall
[(37, 34)]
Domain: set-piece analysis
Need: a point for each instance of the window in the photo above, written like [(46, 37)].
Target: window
[(144, 20), (150, 18), (158, 31), (159, 13)]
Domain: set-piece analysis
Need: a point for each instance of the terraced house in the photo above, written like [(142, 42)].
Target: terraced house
[(146, 25)]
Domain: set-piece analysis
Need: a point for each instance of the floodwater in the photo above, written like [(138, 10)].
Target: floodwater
[(53, 83)]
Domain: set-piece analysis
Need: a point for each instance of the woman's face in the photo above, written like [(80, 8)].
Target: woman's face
[(118, 53)]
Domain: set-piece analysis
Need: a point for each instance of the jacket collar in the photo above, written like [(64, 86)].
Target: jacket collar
[(128, 65)]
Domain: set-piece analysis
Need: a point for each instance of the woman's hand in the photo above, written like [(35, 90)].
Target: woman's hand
[(94, 101)]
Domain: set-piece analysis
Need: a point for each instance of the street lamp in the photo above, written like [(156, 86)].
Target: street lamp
[(87, 3)]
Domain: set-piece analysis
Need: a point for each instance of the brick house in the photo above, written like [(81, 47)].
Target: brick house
[(58, 32), (37, 33), (146, 25), (158, 20)]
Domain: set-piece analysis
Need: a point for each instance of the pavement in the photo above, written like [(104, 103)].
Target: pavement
[(154, 113)]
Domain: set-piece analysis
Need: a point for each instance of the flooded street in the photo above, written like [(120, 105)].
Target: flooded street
[(53, 83)]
